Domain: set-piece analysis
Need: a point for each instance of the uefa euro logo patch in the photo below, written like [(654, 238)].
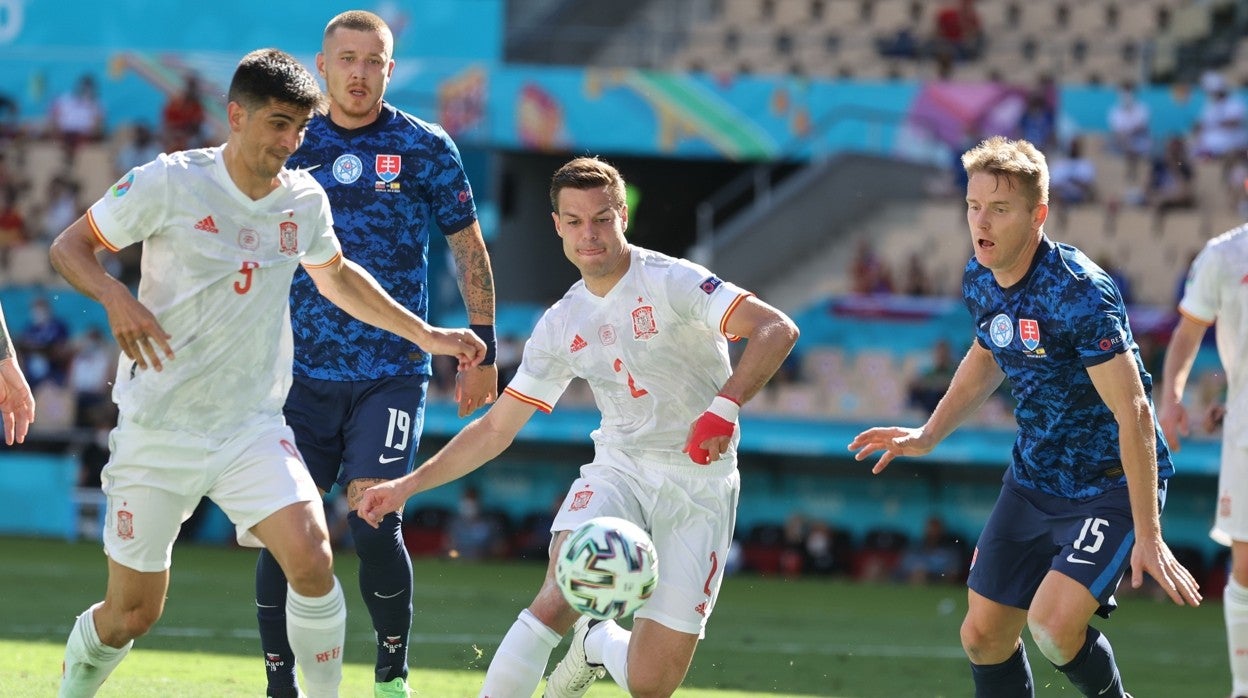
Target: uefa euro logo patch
[(348, 168), (709, 284), (1001, 330), (120, 188)]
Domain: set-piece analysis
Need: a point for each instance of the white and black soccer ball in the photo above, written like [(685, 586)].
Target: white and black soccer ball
[(607, 568)]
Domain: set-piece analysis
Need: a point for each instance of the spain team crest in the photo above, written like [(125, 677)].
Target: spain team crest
[(1029, 333), (125, 525), (388, 167), (644, 326), (288, 237), (580, 500)]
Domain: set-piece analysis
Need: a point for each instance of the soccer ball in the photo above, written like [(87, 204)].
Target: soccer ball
[(607, 568)]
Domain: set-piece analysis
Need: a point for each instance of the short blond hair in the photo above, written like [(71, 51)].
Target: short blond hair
[(362, 21), (1021, 163)]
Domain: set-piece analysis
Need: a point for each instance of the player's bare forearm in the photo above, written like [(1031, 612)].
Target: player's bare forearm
[(350, 287), (770, 335), (473, 273), (1180, 355), (136, 329), (976, 377), (73, 255)]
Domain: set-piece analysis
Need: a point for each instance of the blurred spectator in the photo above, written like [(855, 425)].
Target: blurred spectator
[(91, 371), (905, 42), (958, 32), (1120, 278), (10, 119), (61, 207), (827, 550), (13, 229), (1072, 175), (469, 534), (1237, 183), (1038, 122), (1221, 120), (140, 148), (917, 281), (936, 557), (929, 386), (182, 119), (1129, 128), (793, 542), (868, 273), (1171, 183), (77, 116), (44, 345)]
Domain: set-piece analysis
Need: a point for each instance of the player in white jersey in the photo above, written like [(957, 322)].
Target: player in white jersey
[(650, 334), (222, 231), (1215, 292)]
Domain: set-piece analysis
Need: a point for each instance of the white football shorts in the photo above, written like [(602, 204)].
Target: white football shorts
[(690, 513), (1231, 521), (154, 480)]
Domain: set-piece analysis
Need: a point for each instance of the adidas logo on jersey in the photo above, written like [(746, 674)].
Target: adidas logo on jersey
[(207, 225), (578, 344)]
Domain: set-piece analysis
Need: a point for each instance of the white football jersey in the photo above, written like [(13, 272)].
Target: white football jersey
[(1217, 289), (217, 268), (653, 351)]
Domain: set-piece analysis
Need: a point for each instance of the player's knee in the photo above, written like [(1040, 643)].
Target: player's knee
[(656, 685), (136, 622), (382, 543), (311, 573), (1057, 643), (982, 646)]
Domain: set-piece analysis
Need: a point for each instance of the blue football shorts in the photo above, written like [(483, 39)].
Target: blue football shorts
[(347, 430), (1030, 532)]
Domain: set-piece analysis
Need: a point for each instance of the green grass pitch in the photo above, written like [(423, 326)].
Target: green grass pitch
[(769, 636)]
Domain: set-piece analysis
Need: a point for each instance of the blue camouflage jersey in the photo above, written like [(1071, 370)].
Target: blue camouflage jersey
[(1045, 331), (388, 184)]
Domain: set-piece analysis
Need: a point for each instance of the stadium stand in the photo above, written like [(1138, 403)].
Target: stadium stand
[(857, 354)]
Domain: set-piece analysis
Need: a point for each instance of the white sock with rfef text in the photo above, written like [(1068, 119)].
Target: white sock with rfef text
[(317, 627)]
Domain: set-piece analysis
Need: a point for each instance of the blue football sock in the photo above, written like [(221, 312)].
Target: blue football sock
[(386, 583), (1009, 679), (1093, 670), (279, 659)]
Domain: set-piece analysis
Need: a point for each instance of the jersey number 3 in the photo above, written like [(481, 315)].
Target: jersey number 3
[(243, 286)]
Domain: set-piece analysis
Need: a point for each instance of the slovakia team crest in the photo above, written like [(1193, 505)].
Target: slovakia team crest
[(288, 238), (644, 326), (1029, 333), (388, 167)]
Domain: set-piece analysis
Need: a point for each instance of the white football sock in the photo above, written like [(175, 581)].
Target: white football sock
[(607, 644), (317, 627), (1235, 608), (521, 658), (88, 661)]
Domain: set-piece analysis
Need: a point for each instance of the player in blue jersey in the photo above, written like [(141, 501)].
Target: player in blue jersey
[(357, 403), (1082, 496)]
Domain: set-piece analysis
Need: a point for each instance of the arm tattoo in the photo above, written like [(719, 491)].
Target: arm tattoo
[(473, 274), (6, 343)]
